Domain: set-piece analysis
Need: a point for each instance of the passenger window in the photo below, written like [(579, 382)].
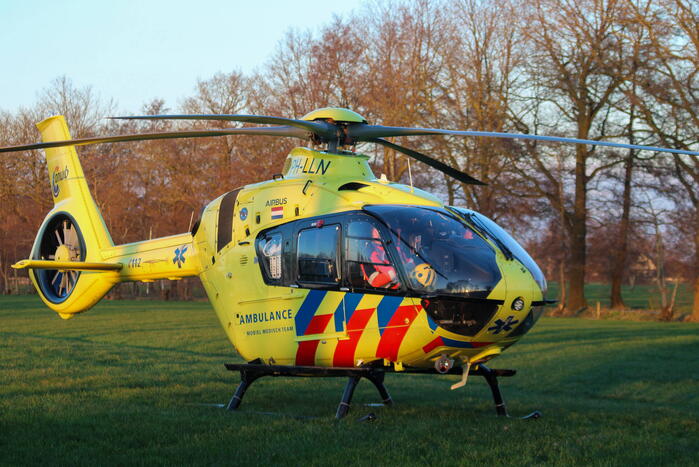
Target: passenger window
[(270, 249), (368, 264), (317, 254)]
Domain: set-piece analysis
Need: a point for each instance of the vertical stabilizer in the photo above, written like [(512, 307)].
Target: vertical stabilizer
[(73, 231), (68, 186)]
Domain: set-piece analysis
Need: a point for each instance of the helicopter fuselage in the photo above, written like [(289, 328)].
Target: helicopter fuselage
[(327, 265)]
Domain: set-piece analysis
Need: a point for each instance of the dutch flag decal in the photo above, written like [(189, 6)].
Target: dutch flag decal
[(277, 212)]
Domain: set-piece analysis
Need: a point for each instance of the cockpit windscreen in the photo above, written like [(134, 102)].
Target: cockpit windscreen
[(497, 232), (439, 253)]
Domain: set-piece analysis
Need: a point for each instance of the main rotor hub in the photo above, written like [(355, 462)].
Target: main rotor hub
[(339, 119), (335, 115)]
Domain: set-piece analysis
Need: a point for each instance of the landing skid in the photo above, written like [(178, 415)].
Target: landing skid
[(250, 372)]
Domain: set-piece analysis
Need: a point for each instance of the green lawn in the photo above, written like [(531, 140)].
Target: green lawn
[(639, 297), (129, 383)]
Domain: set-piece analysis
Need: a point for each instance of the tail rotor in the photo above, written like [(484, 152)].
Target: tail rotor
[(61, 240)]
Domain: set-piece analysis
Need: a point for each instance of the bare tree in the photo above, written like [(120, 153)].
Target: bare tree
[(576, 67), (482, 72), (636, 38), (670, 106)]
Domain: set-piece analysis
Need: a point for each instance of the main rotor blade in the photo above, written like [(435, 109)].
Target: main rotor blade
[(371, 132), (434, 163), (324, 129), (286, 131)]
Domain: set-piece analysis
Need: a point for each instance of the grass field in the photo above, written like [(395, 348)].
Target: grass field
[(129, 383), (639, 297)]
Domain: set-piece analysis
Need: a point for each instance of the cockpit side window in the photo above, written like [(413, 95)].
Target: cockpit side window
[(317, 255), (368, 263)]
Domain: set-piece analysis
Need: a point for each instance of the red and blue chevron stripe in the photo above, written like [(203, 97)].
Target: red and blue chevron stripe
[(393, 318)]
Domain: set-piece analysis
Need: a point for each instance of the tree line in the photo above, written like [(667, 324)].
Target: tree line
[(615, 70)]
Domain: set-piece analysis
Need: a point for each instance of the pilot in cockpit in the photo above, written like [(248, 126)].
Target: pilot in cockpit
[(379, 273), (438, 245)]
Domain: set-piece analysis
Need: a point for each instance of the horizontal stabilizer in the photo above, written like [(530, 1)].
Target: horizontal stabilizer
[(66, 265)]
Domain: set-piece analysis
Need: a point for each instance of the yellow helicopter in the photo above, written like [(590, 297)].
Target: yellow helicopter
[(326, 270)]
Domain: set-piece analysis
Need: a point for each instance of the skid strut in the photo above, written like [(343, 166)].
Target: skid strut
[(249, 372), (491, 377)]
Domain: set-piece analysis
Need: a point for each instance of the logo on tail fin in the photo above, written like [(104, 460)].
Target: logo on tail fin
[(57, 176)]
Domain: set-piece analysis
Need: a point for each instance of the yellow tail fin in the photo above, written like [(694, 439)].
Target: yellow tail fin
[(74, 262), (72, 231), (68, 185)]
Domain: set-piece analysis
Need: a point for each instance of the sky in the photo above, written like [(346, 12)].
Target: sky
[(135, 51)]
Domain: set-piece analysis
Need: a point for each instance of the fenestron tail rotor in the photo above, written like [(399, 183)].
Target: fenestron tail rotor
[(60, 242), (70, 239), (334, 127)]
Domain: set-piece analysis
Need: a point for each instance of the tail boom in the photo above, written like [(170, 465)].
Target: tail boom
[(171, 258)]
